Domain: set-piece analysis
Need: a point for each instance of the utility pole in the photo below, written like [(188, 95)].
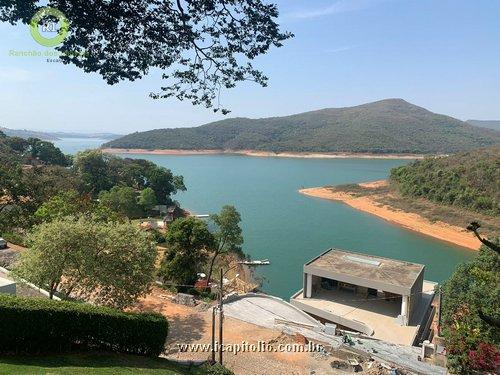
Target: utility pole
[(213, 334), (440, 307), (221, 315)]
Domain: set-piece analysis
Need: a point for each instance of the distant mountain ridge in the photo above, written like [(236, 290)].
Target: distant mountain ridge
[(490, 124), (54, 136), (386, 126)]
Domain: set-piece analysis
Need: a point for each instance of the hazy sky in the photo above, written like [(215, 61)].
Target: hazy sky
[(443, 55)]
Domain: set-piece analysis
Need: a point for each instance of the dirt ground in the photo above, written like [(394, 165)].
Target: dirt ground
[(192, 325)]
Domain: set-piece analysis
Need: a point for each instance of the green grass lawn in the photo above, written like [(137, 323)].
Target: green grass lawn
[(90, 363)]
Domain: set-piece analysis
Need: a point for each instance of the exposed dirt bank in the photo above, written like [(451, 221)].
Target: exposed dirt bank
[(408, 220), (336, 155)]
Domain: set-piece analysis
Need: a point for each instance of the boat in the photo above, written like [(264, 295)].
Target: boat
[(255, 262)]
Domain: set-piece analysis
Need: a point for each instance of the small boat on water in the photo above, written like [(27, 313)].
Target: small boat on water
[(255, 262)]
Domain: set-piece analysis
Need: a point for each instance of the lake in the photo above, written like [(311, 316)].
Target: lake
[(288, 228)]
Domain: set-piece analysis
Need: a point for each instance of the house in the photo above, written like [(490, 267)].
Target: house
[(173, 212), (380, 297)]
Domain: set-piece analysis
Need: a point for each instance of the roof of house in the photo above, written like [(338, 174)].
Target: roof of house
[(368, 268)]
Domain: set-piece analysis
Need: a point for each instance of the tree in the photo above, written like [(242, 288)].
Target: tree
[(47, 153), (17, 144), (99, 172), (228, 237), (206, 44), (163, 183), (121, 199), (471, 294), (109, 264), (66, 203), (92, 169), (474, 228), (24, 190), (147, 199), (71, 203), (187, 241)]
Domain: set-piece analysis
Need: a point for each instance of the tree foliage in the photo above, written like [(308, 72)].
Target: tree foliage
[(122, 199), (71, 203), (201, 45), (147, 199), (99, 171), (46, 153), (228, 236), (108, 263), (187, 241), (470, 180), (46, 182), (473, 291)]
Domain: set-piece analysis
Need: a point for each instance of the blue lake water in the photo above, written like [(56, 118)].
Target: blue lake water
[(288, 228)]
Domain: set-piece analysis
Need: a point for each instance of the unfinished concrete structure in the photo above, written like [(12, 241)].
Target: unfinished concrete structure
[(376, 296), (7, 286)]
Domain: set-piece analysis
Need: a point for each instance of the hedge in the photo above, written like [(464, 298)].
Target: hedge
[(35, 325)]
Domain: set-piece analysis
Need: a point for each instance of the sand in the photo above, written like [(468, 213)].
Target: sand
[(407, 220), (315, 155)]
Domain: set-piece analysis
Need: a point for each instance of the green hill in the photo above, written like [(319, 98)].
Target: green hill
[(490, 124), (387, 126), (469, 180)]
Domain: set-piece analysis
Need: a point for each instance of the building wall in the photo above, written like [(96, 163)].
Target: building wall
[(8, 288), (416, 294)]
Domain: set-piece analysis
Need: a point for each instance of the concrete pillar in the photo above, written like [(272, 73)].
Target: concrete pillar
[(309, 281), (404, 309)]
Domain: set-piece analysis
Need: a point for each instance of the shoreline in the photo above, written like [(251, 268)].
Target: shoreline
[(304, 155), (408, 220)]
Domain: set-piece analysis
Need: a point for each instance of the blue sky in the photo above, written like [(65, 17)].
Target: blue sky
[(443, 55)]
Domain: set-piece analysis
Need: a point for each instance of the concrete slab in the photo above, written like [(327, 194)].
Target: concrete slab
[(263, 310), (376, 316)]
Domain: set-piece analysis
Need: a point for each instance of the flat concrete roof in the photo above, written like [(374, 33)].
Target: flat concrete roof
[(365, 270)]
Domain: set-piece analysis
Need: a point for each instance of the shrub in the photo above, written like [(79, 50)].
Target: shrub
[(43, 325), (15, 238), (216, 369)]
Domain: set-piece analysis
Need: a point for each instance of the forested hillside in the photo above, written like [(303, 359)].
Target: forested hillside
[(470, 179), (490, 124), (387, 126)]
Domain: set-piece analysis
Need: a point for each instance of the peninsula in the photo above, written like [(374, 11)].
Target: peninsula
[(428, 196)]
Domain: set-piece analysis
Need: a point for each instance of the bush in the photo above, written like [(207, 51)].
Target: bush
[(158, 237), (15, 238), (216, 369), (42, 325)]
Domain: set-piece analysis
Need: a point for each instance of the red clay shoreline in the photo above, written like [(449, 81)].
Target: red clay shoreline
[(408, 220), (317, 155)]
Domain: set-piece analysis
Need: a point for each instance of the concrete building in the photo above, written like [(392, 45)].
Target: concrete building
[(7, 286), (380, 297)]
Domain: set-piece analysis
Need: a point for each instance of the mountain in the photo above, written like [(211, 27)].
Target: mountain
[(23, 133), (490, 124), (107, 136), (468, 179), (54, 136), (386, 126)]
